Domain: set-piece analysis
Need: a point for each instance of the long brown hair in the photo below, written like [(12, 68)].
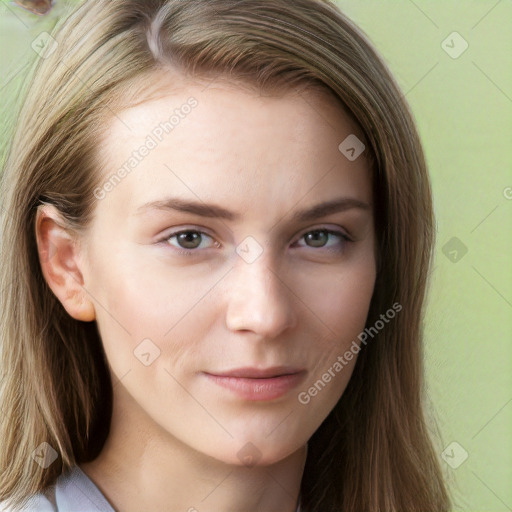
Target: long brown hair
[(374, 451)]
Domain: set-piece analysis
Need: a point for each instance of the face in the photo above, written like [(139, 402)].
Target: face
[(223, 294)]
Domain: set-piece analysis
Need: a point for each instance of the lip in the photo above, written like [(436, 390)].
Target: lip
[(257, 384)]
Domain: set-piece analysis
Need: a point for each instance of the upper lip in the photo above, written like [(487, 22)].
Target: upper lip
[(257, 373)]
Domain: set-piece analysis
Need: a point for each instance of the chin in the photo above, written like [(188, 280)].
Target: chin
[(257, 453)]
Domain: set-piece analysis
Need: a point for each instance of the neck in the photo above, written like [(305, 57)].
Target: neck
[(142, 467)]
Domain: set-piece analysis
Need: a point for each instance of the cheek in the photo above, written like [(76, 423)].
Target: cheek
[(348, 308), (340, 301), (339, 298), (143, 309)]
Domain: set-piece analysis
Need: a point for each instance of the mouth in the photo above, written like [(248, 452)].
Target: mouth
[(257, 384)]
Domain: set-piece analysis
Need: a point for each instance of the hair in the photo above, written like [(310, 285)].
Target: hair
[(374, 452)]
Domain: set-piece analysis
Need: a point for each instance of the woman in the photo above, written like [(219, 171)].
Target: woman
[(217, 231)]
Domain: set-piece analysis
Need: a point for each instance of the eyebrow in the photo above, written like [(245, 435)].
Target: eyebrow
[(214, 211)]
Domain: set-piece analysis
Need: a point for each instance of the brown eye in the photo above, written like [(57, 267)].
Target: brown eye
[(189, 239), (324, 238), (39, 7), (317, 238)]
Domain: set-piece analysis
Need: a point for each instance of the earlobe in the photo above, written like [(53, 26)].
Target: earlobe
[(83, 307), (60, 263)]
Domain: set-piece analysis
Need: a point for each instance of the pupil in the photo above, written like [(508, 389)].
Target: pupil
[(316, 238), (189, 238)]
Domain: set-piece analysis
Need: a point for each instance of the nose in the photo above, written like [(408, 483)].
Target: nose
[(259, 299)]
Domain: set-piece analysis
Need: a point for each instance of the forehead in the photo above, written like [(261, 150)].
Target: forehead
[(222, 140)]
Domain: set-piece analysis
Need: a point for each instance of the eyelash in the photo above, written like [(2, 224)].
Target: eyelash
[(192, 252)]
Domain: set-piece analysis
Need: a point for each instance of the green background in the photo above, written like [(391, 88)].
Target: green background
[(463, 107)]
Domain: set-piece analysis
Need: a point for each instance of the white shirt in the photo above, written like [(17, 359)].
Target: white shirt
[(73, 491)]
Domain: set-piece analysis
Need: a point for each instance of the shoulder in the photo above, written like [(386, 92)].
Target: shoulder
[(40, 502), (72, 492)]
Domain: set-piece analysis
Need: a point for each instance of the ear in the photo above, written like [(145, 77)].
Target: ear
[(59, 252)]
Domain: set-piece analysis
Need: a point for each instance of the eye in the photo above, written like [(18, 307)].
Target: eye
[(189, 240), (319, 238)]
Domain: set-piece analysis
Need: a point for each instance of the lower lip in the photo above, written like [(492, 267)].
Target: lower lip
[(259, 389)]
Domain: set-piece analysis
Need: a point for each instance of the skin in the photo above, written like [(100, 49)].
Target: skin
[(176, 436)]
